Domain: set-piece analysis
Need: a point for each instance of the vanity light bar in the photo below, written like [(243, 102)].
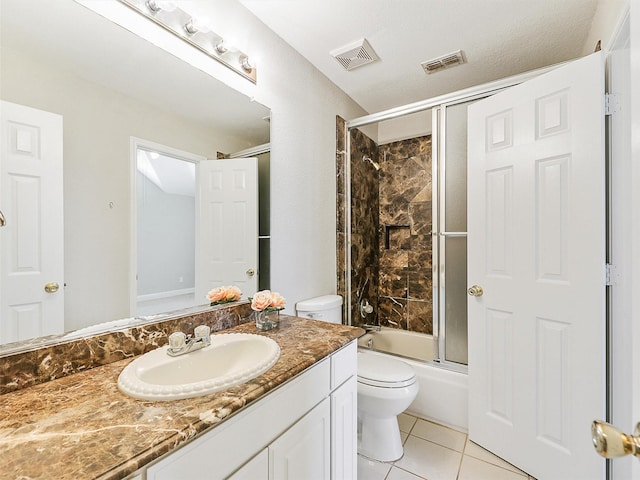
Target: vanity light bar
[(188, 29)]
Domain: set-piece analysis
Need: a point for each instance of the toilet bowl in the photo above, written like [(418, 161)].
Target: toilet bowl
[(386, 387)]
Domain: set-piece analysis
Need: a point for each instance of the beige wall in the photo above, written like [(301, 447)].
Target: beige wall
[(608, 14), (304, 105)]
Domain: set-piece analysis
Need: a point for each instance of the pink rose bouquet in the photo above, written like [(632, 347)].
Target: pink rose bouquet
[(267, 300), (221, 295)]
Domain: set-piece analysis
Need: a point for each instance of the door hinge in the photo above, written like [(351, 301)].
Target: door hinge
[(611, 275), (611, 103)]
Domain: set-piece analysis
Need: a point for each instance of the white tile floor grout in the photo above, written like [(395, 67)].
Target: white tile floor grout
[(436, 452)]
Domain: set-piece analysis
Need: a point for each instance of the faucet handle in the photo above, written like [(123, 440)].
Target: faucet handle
[(204, 332), (365, 308), (177, 340)]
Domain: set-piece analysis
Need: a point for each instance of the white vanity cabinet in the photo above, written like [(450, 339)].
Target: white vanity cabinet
[(306, 429)]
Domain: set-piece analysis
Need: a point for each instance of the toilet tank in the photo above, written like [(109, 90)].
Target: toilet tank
[(327, 308)]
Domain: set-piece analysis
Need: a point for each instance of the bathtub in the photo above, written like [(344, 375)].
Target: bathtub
[(443, 395)]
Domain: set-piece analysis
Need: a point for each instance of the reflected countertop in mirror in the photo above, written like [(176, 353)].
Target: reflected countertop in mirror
[(109, 85), (122, 324)]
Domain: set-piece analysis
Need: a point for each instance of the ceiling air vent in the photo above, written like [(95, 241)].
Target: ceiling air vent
[(355, 55), (445, 61)]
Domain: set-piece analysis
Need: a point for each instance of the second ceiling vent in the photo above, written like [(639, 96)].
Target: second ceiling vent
[(355, 55), (445, 61)]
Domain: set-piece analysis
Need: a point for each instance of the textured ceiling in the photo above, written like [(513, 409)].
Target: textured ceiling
[(499, 38)]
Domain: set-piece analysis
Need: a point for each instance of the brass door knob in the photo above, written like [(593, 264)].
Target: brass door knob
[(51, 287), (251, 272), (475, 291), (610, 442)]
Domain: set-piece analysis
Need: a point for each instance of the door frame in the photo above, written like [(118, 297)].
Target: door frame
[(135, 144), (624, 224), (635, 219)]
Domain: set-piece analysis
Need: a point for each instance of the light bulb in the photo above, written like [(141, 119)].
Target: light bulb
[(156, 5), (195, 25), (221, 48), (246, 64), (153, 5), (190, 27)]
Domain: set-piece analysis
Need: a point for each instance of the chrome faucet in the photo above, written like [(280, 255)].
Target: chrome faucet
[(179, 343)]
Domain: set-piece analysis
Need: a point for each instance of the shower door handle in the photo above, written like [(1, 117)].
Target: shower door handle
[(610, 442), (475, 291)]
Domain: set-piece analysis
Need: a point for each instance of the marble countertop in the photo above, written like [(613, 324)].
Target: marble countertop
[(82, 426)]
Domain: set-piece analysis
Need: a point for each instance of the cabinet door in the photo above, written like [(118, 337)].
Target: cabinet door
[(344, 424), (303, 452), (255, 469)]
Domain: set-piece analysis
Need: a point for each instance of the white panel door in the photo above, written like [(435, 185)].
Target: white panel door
[(227, 246), (536, 246), (31, 242)]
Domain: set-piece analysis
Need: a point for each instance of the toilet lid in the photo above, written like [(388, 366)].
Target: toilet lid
[(383, 371)]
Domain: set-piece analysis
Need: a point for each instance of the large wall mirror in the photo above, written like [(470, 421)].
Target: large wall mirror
[(109, 86)]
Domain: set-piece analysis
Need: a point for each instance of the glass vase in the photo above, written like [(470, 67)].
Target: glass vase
[(267, 320)]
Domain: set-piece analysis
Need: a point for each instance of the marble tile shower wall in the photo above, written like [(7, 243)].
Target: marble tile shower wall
[(405, 243), (390, 229), (364, 225)]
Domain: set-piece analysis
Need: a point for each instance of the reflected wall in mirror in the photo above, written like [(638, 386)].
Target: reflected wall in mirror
[(108, 85), (165, 230)]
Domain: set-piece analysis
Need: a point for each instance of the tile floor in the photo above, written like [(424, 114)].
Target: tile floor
[(435, 452)]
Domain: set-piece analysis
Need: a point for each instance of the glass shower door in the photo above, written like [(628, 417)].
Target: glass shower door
[(450, 232)]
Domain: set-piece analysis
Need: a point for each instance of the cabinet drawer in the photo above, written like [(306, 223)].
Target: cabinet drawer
[(344, 364)]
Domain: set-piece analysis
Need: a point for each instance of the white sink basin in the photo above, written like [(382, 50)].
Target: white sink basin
[(231, 359)]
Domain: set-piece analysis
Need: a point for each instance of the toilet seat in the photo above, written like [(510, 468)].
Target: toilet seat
[(385, 372)]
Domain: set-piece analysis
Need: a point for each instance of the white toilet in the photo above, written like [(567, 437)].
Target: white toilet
[(386, 387)]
